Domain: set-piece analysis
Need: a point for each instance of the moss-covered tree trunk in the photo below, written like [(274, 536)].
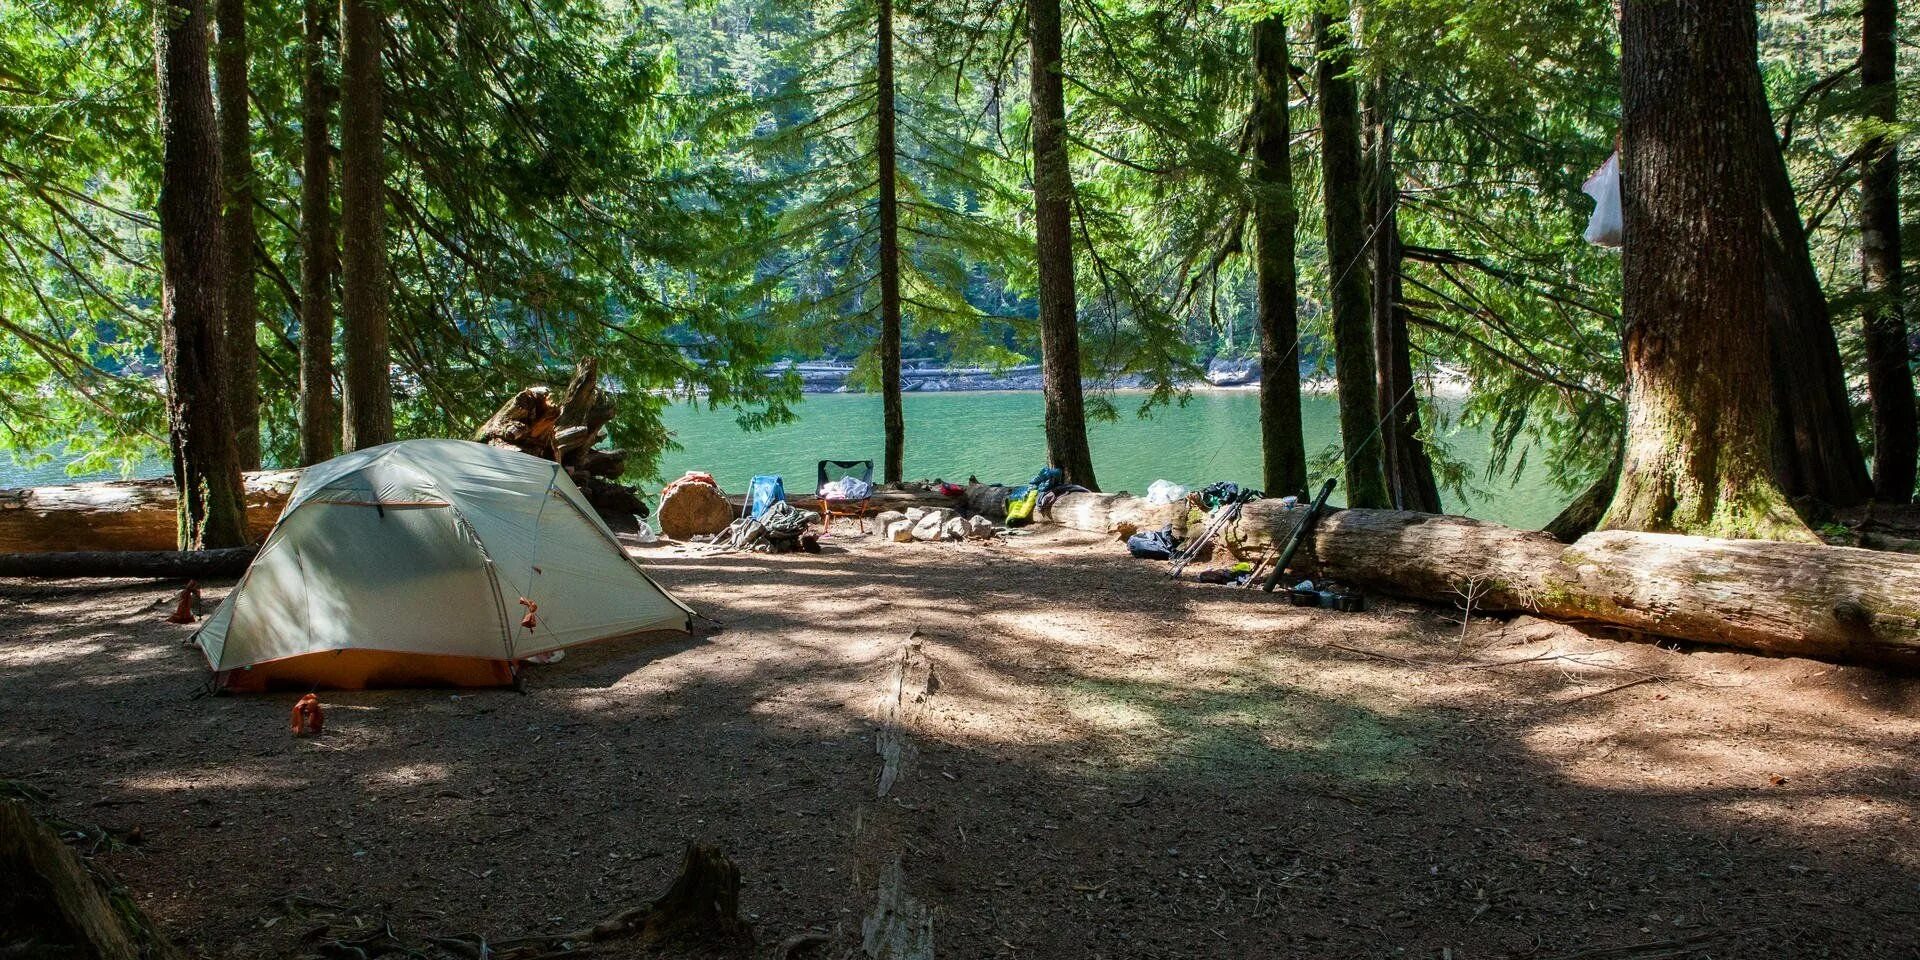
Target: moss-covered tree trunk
[(237, 230), (319, 415), (1409, 471), (1066, 410), (1700, 421), (1275, 218), (367, 410), (206, 465), (1889, 366), (886, 148), (1342, 184)]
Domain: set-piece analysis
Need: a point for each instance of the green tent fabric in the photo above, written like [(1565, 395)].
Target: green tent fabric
[(434, 549)]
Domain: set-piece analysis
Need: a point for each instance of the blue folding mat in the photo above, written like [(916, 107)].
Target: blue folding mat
[(762, 493)]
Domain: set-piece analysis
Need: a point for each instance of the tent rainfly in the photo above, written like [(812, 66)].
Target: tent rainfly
[(428, 563)]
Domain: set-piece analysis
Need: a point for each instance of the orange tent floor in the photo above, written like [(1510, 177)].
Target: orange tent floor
[(364, 669)]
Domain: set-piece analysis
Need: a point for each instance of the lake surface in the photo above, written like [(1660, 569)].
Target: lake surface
[(997, 436)]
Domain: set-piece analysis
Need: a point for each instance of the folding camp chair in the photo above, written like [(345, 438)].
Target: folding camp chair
[(854, 508)]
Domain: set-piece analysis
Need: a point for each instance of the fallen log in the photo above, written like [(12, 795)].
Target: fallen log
[(1783, 599), (170, 564), (120, 514)]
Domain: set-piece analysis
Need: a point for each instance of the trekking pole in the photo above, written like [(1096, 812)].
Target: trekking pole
[(1300, 534), (1213, 528)]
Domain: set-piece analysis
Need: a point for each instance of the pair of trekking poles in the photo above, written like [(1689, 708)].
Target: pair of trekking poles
[(1225, 518)]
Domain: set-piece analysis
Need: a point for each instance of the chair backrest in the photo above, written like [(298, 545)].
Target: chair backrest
[(762, 493), (844, 468)]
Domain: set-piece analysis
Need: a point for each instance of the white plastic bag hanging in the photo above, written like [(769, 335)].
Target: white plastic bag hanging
[(1604, 187)]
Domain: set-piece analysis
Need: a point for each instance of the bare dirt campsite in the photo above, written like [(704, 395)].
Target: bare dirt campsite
[(1092, 761)]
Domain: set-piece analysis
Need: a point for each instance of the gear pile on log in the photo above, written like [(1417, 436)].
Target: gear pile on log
[(567, 431)]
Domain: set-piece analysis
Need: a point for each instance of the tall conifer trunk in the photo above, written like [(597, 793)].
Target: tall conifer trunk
[(367, 409), (1066, 412), (319, 417), (206, 466), (1347, 236), (1889, 370), (1275, 218), (237, 231), (1815, 451), (886, 149), (1409, 472), (1699, 413)]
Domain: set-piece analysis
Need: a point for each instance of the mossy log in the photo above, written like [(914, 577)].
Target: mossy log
[(120, 514), (1778, 598), (53, 905)]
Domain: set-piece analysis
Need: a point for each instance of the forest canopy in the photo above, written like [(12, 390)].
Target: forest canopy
[(692, 192)]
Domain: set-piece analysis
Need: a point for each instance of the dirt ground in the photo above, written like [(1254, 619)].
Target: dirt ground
[(1107, 764)]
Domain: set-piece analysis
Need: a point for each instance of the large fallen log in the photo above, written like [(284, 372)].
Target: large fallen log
[(1784, 599), (229, 562), (120, 514)]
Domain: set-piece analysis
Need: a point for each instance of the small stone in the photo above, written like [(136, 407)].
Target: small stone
[(915, 513), (980, 528), (900, 531), (885, 519), (954, 529)]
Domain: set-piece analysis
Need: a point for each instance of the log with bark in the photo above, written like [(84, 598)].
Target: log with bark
[(120, 514), (1773, 597), (172, 564)]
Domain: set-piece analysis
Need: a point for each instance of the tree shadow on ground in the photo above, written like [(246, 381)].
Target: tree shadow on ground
[(1111, 765)]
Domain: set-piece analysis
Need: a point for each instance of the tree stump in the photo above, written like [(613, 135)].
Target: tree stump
[(53, 905), (703, 903)]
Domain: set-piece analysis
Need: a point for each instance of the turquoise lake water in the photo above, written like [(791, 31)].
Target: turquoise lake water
[(997, 436)]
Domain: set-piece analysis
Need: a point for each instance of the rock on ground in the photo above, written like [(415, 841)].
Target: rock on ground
[(693, 510), (884, 521), (900, 531), (980, 528)]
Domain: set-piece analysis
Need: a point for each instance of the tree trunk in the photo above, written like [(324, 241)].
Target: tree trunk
[(237, 232), (1066, 412), (1889, 373), (1275, 218), (1409, 472), (319, 419), (886, 148), (1699, 417), (122, 514), (227, 562), (1815, 451), (1782, 599), (1584, 514), (367, 418), (206, 466), (1347, 237)]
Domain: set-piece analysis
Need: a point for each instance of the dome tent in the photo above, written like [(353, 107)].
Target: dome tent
[(428, 562)]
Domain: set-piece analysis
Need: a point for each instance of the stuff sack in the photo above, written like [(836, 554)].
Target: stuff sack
[(1020, 506), (1605, 227), (1152, 545)]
